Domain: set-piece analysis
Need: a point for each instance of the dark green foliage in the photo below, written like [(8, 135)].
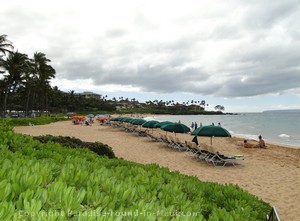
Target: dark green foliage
[(97, 147)]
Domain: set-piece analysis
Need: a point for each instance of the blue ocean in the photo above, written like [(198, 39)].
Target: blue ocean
[(275, 127)]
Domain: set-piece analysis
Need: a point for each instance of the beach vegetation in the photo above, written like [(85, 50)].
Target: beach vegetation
[(97, 147), (48, 181), (32, 121)]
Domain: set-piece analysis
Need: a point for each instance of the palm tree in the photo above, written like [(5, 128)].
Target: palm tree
[(203, 102), (44, 73), (5, 45), (17, 65)]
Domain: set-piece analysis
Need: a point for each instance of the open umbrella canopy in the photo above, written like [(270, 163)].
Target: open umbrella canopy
[(176, 128), (160, 124), (90, 115), (102, 119), (137, 121), (115, 119), (102, 115), (81, 118), (150, 124), (211, 131), (126, 119)]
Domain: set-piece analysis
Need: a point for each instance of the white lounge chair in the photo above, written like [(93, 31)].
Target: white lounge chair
[(218, 158)]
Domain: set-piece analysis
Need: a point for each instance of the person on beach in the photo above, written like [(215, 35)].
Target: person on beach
[(196, 126), (261, 143), (192, 126), (248, 145), (195, 140), (87, 123)]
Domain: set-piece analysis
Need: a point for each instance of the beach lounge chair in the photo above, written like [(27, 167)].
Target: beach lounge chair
[(164, 139), (154, 138), (172, 143), (273, 216), (207, 154), (204, 153), (218, 158), (160, 138), (192, 149), (180, 146)]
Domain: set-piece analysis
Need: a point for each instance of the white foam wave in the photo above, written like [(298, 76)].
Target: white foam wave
[(150, 118), (284, 136), (246, 136)]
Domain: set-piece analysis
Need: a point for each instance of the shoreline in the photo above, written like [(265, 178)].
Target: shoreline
[(271, 143), (272, 174)]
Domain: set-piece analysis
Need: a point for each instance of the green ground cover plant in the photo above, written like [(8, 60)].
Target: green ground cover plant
[(33, 121), (47, 181)]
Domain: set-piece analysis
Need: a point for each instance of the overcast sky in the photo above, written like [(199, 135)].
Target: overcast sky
[(244, 55)]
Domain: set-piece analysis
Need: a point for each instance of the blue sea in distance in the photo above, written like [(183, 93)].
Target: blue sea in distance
[(275, 127)]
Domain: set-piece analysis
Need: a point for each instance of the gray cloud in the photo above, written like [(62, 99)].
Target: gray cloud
[(255, 52)]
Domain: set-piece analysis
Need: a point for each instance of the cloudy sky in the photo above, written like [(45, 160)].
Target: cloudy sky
[(244, 55)]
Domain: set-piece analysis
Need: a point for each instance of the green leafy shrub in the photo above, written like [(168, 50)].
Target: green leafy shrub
[(46, 181), (97, 147), (33, 121)]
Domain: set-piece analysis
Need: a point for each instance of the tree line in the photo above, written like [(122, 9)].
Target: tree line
[(25, 85)]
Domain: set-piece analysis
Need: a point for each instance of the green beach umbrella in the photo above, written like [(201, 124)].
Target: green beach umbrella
[(160, 124), (126, 119), (176, 128), (211, 131), (137, 121), (115, 119), (150, 124)]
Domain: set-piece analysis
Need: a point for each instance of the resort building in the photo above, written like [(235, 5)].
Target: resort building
[(88, 94)]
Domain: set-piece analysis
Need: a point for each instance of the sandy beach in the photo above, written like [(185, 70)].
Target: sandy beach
[(272, 174)]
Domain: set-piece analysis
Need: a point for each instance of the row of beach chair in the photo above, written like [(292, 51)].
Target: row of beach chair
[(210, 155), (203, 152)]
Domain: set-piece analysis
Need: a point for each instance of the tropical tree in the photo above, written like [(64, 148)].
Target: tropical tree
[(5, 45), (15, 67), (202, 103), (219, 107), (44, 73)]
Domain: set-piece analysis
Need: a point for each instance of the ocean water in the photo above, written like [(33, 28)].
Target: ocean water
[(275, 127)]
